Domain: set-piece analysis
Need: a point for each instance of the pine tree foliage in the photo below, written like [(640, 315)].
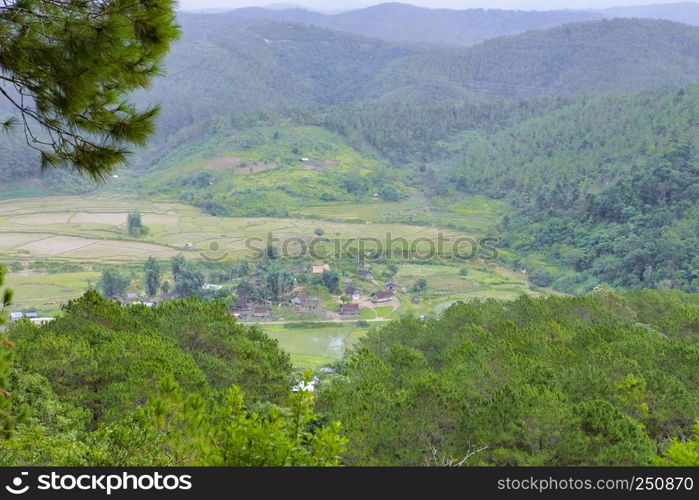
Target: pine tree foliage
[(67, 67)]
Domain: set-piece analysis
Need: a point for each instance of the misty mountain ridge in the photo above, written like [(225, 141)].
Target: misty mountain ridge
[(449, 27), (243, 64)]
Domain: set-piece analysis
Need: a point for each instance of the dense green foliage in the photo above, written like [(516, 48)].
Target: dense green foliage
[(151, 275), (86, 384), (605, 379), (180, 429), (67, 68), (7, 419), (554, 381), (172, 428), (134, 225), (593, 57), (605, 186), (105, 357), (112, 283), (683, 453), (188, 279)]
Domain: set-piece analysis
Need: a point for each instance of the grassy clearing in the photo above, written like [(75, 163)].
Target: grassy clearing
[(315, 346), (46, 292), (367, 313)]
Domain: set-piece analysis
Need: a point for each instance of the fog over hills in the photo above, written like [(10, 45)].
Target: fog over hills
[(408, 23)]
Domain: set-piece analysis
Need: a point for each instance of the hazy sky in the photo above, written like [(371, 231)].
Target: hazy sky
[(333, 5)]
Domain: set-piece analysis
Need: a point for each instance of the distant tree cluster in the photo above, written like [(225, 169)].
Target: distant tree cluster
[(188, 279), (135, 225), (113, 283)]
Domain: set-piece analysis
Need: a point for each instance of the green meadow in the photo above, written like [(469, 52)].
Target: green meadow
[(313, 346)]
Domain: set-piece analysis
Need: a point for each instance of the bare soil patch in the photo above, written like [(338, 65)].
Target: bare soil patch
[(223, 163)]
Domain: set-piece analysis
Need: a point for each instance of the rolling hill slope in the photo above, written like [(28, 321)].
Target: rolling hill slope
[(460, 28), (407, 23), (591, 57), (606, 186), (680, 12)]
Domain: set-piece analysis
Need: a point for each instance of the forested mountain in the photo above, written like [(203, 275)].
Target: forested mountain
[(592, 57), (408, 23), (606, 185), (242, 65), (681, 12), (226, 65), (447, 27)]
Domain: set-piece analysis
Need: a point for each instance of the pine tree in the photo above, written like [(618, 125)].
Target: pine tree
[(67, 68), (7, 419), (112, 283), (151, 277), (135, 225)]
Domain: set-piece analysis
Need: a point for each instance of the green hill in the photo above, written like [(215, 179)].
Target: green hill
[(231, 65), (591, 57), (408, 23), (226, 66), (267, 169), (606, 186)]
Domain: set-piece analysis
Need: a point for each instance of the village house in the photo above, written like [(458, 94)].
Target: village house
[(260, 312), (297, 269), (242, 303), (303, 302), (210, 287), (363, 273), (16, 316), (382, 296), (349, 309), (391, 285), (147, 304), (306, 386), (355, 293), (31, 316)]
